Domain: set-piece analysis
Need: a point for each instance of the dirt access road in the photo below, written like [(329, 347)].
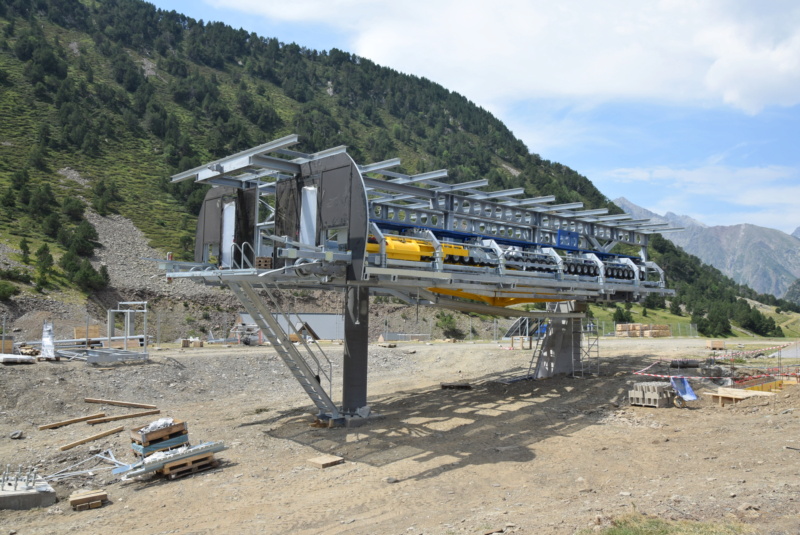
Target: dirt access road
[(550, 456)]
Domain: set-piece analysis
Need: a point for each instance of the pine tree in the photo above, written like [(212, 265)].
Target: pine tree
[(44, 263), (8, 200), (25, 249)]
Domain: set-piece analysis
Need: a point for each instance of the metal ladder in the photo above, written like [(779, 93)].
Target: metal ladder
[(294, 360), (537, 350), (576, 327)]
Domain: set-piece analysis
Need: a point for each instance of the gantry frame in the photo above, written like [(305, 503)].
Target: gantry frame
[(282, 218)]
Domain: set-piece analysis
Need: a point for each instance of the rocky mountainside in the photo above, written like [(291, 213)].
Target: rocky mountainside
[(796, 233), (643, 213), (765, 259), (793, 293)]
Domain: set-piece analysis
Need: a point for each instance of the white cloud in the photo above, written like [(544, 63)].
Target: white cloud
[(566, 58), (745, 54), (715, 194)]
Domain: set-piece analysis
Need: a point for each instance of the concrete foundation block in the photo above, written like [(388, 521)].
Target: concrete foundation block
[(39, 494)]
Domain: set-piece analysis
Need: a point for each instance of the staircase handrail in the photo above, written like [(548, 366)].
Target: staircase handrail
[(328, 375)]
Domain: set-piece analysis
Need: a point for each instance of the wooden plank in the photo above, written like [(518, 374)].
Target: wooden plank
[(71, 421), (121, 417), (93, 437), (744, 393), (324, 461), (78, 498), (120, 403)]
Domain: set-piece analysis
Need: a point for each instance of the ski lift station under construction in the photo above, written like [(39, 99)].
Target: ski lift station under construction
[(277, 218)]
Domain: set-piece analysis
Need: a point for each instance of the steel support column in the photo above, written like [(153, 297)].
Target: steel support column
[(356, 353)]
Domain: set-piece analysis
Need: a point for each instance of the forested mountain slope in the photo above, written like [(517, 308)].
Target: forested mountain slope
[(121, 91), (102, 100)]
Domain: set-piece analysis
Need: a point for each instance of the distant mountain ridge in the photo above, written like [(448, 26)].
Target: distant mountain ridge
[(765, 259), (796, 233), (643, 213)]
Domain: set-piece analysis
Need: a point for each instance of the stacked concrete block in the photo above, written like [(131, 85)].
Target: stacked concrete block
[(652, 394)]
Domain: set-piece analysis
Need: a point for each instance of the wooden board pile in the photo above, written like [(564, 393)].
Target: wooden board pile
[(88, 499), (93, 331), (90, 334), (642, 330)]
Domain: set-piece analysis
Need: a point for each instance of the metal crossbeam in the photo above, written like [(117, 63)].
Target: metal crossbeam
[(205, 171)]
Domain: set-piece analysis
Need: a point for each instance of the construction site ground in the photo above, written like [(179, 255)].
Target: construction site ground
[(549, 456)]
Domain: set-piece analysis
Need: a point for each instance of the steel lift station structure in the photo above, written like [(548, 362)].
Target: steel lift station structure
[(277, 218)]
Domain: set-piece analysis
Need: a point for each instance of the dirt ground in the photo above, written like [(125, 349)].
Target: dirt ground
[(548, 456)]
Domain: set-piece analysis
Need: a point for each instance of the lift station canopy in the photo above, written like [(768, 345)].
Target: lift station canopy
[(321, 221)]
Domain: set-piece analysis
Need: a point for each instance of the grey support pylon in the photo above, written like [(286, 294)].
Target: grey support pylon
[(559, 351)]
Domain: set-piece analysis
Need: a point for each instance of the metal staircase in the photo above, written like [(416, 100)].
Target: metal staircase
[(536, 355), (310, 375)]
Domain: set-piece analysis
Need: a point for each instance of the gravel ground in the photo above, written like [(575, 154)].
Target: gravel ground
[(551, 456)]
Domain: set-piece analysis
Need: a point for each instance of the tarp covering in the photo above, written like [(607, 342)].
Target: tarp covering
[(683, 388)]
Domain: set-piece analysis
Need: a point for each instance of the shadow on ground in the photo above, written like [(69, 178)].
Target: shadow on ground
[(443, 429)]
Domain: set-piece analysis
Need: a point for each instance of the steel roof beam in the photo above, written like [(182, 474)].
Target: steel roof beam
[(639, 227), (414, 191), (587, 213), (422, 177), (532, 200), (495, 194), (377, 166), (441, 187), (321, 154), (272, 146), (564, 207), (615, 217), (276, 164), (671, 229)]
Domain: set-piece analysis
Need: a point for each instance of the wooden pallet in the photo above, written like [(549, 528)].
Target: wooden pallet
[(730, 396), (192, 465), (165, 433)]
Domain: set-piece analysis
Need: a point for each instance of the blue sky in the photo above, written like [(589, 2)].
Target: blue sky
[(677, 105)]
